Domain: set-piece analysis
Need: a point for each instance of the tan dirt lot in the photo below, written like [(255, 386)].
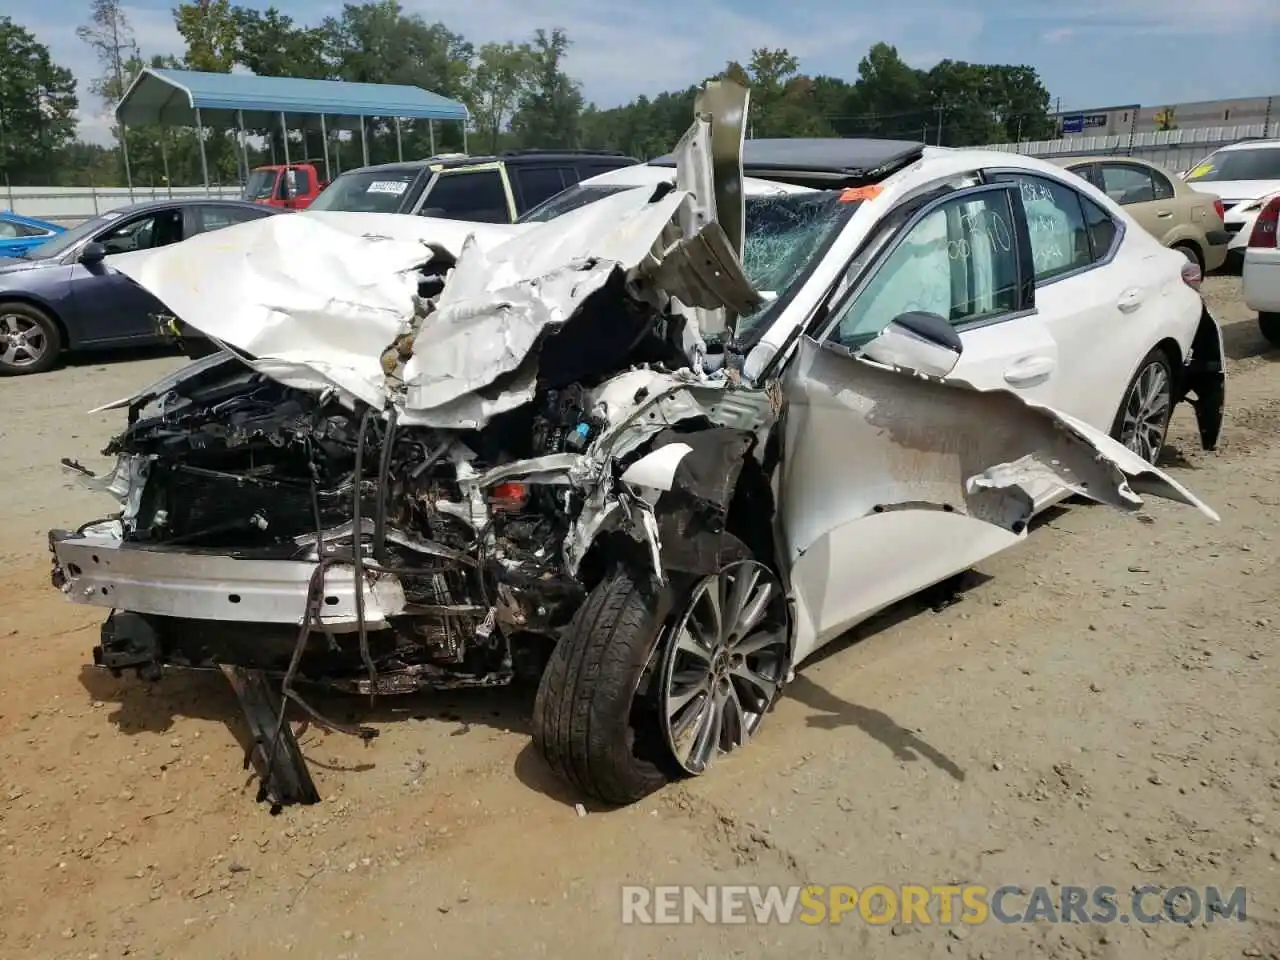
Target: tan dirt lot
[(1100, 708)]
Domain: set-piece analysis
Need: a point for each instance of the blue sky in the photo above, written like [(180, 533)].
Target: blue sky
[(1089, 52)]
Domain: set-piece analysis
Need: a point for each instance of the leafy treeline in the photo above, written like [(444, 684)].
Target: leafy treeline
[(520, 94)]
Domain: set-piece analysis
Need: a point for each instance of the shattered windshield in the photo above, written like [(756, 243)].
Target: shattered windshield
[(368, 191), (785, 238)]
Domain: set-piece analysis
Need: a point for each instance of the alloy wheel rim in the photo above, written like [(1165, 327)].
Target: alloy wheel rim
[(1146, 412), (726, 658), (23, 342)]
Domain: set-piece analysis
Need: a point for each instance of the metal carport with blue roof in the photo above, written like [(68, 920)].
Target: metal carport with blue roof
[(191, 98)]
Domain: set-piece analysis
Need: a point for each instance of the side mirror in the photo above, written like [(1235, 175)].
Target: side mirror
[(920, 341), (92, 253)]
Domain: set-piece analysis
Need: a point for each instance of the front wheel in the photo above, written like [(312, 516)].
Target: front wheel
[(30, 341), (1269, 324), (1143, 418), (630, 701)]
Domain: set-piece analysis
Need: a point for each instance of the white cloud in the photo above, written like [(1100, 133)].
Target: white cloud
[(155, 34)]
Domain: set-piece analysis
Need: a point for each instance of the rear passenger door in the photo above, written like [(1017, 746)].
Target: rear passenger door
[(1135, 188), (537, 182), (1092, 293)]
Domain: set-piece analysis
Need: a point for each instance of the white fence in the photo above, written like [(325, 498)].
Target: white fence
[(70, 205), (1172, 149)]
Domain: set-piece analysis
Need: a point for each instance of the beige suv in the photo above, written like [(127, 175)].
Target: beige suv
[(1178, 216)]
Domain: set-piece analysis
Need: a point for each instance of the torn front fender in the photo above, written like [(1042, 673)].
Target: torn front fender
[(1204, 380)]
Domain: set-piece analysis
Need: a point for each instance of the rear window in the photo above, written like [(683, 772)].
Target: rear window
[(367, 191), (1255, 163)]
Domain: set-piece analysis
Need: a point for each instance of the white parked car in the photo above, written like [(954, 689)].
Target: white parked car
[(1242, 174), (653, 452), (1261, 272)]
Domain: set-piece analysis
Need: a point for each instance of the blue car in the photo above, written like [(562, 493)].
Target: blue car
[(64, 295), (19, 234)]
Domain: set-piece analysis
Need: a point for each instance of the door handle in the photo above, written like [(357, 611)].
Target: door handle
[(1027, 369), (1130, 300), (1164, 214)]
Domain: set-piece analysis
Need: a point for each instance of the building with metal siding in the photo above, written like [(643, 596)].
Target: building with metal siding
[(1137, 118)]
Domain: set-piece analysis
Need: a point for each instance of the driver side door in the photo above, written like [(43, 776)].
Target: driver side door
[(873, 500), (110, 307)]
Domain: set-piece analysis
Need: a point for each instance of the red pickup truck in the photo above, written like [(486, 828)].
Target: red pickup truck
[(290, 187)]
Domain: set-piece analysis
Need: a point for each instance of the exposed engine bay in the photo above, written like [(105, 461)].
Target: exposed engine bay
[(432, 456)]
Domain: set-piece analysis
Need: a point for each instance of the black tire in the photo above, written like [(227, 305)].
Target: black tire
[(1269, 324), (1191, 251), (1158, 356), (584, 724), (48, 330)]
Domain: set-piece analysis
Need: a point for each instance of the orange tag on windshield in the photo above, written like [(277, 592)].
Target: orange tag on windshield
[(854, 194)]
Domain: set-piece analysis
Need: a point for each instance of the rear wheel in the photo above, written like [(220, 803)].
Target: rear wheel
[(1143, 418), (1191, 252), (30, 341), (630, 700), (1269, 324)]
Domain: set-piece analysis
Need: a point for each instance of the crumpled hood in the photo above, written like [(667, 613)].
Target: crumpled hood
[(318, 299)]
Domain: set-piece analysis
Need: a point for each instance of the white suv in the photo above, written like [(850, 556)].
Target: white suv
[(1242, 174)]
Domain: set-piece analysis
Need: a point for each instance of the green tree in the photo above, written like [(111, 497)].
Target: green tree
[(37, 105), (111, 38), (210, 30), (271, 45), (550, 108), (500, 77)]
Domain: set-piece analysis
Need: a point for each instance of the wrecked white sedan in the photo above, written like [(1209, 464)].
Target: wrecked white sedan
[(600, 453)]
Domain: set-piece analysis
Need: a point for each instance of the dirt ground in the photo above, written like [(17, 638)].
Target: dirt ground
[(1099, 708)]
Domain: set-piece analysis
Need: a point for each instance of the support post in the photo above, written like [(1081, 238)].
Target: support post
[(399, 148), (324, 136), (464, 137), (431, 130), (284, 139), (364, 142), (243, 139), (124, 153), (164, 159), (204, 163)]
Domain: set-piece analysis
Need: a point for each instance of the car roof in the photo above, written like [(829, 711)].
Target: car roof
[(451, 160), (146, 205), (839, 157), (29, 221), (1267, 143)]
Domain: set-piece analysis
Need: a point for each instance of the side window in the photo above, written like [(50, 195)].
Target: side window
[(215, 218), (536, 184), (1163, 185), (8, 230), (302, 181), (1055, 222), (1125, 183), (146, 233), (960, 261), (1102, 229), (477, 196)]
